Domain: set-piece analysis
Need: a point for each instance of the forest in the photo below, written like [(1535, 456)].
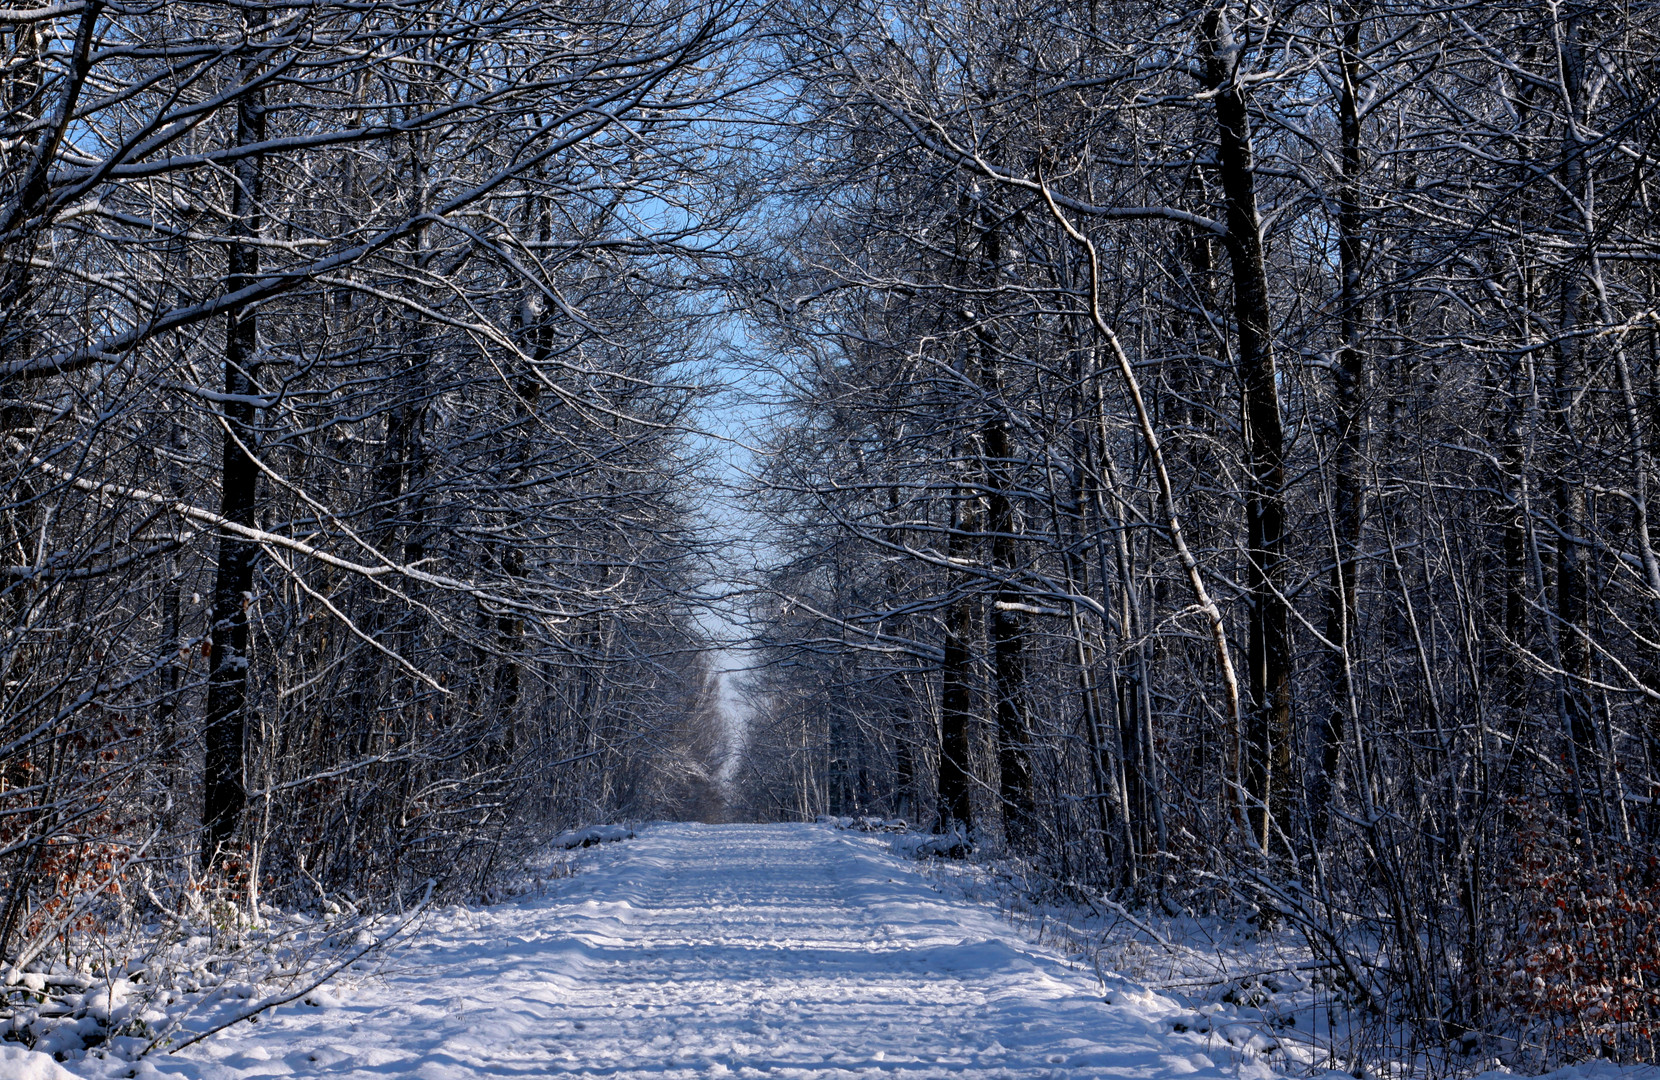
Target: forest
[(1197, 455)]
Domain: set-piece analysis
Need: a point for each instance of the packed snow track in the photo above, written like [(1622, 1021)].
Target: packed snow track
[(708, 951)]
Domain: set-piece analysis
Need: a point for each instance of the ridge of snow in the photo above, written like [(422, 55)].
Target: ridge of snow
[(593, 834)]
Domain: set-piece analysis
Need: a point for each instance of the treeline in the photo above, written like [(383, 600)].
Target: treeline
[(1214, 465), (346, 353)]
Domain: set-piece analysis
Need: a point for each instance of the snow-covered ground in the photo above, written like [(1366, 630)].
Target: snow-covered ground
[(706, 951)]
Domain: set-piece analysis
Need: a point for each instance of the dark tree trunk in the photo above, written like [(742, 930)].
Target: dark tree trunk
[(172, 630), (1103, 779), (1573, 577), (957, 688), (1514, 552), (1268, 731), (905, 797), (223, 791), (1008, 626), (1349, 489), (904, 765)]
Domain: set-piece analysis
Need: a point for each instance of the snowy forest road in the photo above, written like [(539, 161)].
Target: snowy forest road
[(708, 951)]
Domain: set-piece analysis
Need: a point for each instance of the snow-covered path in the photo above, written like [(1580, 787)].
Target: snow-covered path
[(704, 951)]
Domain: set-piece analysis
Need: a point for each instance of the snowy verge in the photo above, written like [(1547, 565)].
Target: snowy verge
[(198, 980), (1258, 990)]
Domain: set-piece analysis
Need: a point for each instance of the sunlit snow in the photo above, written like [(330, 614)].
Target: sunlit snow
[(708, 951)]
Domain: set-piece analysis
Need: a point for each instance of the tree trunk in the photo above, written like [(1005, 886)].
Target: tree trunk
[(1268, 731), (223, 793), (1349, 490), (957, 688), (1008, 624), (1573, 578)]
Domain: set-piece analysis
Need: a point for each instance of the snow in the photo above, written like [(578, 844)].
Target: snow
[(866, 823), (17, 1063), (1589, 1070), (593, 834), (952, 845), (713, 951)]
